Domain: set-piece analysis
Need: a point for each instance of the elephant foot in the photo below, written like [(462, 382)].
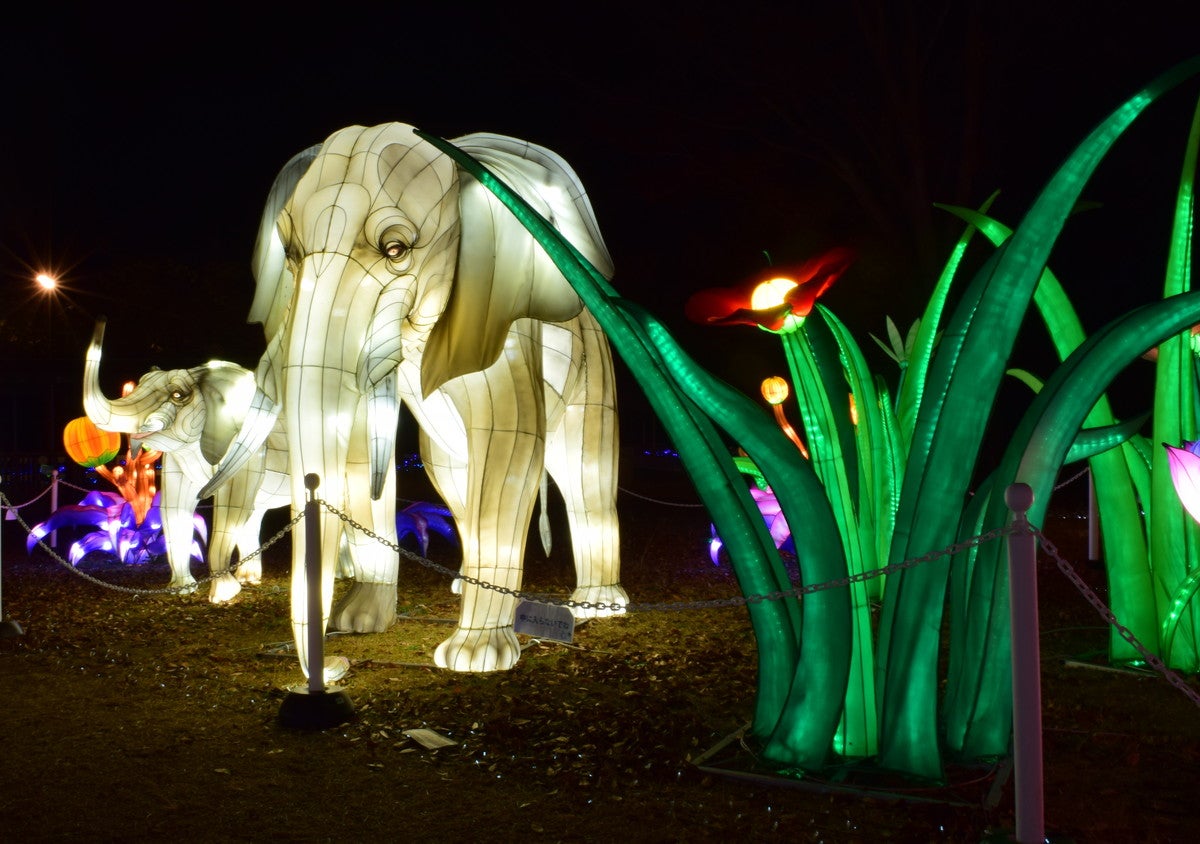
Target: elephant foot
[(367, 608), (335, 668), (223, 588), (250, 572), (183, 585), (479, 650), (609, 595)]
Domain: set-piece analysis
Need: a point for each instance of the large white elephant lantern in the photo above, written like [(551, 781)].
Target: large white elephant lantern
[(386, 274)]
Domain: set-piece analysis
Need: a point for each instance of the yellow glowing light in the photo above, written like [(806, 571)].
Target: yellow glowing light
[(127, 388), (775, 390), (46, 281), (853, 411), (770, 293)]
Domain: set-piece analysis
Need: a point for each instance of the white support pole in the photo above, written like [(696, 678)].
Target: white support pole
[(312, 577), (314, 706), (1026, 669), (53, 504), (8, 627)]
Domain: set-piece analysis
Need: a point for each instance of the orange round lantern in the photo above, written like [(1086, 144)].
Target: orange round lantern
[(88, 445), (774, 390)]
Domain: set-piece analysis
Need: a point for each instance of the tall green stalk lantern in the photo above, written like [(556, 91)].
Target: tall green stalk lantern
[(779, 300), (804, 657)]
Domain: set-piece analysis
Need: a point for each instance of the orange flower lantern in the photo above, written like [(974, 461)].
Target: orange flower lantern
[(775, 391), (87, 445)]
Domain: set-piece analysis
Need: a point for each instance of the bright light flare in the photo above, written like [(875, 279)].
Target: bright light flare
[(46, 281), (771, 293)]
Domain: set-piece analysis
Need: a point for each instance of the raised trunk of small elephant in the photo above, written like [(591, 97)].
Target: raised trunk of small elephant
[(123, 415)]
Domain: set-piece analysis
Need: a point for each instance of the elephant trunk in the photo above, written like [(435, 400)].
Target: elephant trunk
[(122, 415)]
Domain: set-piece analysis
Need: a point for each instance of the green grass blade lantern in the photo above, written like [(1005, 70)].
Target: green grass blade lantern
[(888, 481)]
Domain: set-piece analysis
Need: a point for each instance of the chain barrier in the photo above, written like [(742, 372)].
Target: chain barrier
[(659, 500), (141, 591), (1124, 632), (674, 606), (1153, 661), (13, 508), (1072, 479)]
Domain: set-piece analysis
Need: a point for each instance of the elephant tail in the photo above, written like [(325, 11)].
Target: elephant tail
[(543, 516)]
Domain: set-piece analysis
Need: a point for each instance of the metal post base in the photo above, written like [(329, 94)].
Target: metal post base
[(308, 710)]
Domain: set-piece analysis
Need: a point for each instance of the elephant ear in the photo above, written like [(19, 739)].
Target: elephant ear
[(227, 390), (273, 281), (503, 273)]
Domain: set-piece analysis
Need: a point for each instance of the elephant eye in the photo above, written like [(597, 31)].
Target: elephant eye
[(180, 396), (394, 249)]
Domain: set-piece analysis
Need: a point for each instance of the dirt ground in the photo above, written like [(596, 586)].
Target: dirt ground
[(157, 718)]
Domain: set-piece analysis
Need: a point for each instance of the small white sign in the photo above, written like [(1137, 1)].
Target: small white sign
[(429, 739), (545, 621)]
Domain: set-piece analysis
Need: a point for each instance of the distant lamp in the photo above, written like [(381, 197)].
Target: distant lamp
[(775, 390), (46, 281), (87, 445)]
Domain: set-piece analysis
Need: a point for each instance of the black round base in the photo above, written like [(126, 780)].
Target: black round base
[(10, 629), (307, 710)]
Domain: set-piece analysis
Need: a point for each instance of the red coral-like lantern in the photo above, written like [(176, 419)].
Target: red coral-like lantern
[(87, 445)]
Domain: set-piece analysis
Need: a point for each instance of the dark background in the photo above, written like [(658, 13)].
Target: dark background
[(137, 147)]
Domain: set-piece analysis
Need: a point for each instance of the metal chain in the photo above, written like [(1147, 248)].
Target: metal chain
[(1072, 479), (1092, 598), (674, 606), (14, 507), (659, 500), (165, 590)]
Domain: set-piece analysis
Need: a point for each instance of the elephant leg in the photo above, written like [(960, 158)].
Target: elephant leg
[(506, 444), (370, 605), (177, 507), (224, 586), (449, 478), (582, 457), (247, 538)]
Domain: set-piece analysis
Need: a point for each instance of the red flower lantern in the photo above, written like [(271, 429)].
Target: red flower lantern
[(775, 299), (87, 445)]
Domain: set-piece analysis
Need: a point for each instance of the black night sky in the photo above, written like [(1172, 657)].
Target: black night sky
[(138, 149)]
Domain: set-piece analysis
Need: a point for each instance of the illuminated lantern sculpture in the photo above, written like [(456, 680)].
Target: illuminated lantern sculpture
[(90, 446), (191, 415), (780, 300), (775, 391), (87, 445), (434, 294), (1185, 475)]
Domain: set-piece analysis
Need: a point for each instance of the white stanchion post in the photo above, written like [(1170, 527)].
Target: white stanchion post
[(312, 576), (53, 504), (8, 627), (1026, 669), (315, 706)]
